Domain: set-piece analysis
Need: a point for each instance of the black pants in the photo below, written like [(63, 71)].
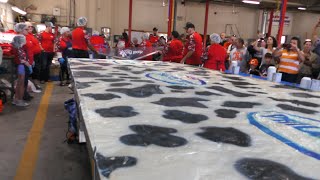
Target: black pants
[(64, 70), (26, 80), (37, 66), (292, 78), (77, 53), (45, 66)]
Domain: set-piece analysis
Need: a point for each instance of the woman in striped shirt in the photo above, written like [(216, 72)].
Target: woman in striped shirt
[(290, 58)]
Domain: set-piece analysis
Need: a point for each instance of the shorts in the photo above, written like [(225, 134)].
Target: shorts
[(21, 70)]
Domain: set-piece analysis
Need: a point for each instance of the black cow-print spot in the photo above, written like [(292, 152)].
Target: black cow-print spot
[(147, 135), (118, 111), (101, 96), (120, 84), (257, 92), (247, 87), (86, 74), (207, 93), (218, 83), (178, 102), (102, 64), (89, 68), (297, 109), (178, 69), (109, 164), (286, 87), (297, 102), (119, 74), (77, 64), (129, 77), (137, 72), (177, 91), (236, 104), (83, 85), (139, 92), (304, 95), (228, 91), (226, 113), (123, 68), (180, 87), (111, 80), (226, 135), (240, 83), (199, 73), (149, 69), (144, 81), (265, 169), (184, 116), (233, 78)]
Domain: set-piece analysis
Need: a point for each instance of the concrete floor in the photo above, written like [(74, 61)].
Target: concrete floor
[(56, 160)]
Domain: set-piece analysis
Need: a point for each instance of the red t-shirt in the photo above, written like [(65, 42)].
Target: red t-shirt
[(153, 39), (47, 41), (97, 42), (35, 43), (147, 44), (216, 57), (79, 39), (173, 51), (29, 49), (194, 44), (62, 44), (20, 55)]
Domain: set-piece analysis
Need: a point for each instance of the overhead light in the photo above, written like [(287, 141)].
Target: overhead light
[(3, 1), (18, 10), (302, 8), (251, 1)]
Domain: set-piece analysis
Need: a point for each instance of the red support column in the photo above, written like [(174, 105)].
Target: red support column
[(206, 24), (130, 19), (283, 15), (270, 22), (170, 6)]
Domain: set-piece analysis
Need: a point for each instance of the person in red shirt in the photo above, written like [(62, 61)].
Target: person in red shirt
[(64, 47), (37, 50), (154, 38), (146, 45), (22, 28), (23, 65), (173, 49), (193, 47), (81, 41), (216, 54), (46, 39), (97, 41)]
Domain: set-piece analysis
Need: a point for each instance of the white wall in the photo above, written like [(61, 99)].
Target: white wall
[(150, 13), (7, 16)]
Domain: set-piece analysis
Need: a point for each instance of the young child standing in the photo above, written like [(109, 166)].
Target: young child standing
[(264, 67)]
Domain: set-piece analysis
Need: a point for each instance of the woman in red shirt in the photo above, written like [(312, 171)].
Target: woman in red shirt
[(23, 66), (216, 54), (36, 48), (173, 49), (46, 39), (81, 41)]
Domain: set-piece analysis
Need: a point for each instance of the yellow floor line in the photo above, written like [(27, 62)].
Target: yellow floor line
[(29, 156)]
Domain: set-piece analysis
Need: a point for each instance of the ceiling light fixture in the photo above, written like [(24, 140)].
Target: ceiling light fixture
[(18, 10), (251, 1), (3, 1), (302, 8)]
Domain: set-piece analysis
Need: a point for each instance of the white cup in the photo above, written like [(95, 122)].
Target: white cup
[(305, 83), (271, 71), (315, 85), (91, 56), (236, 70), (277, 77), (59, 55)]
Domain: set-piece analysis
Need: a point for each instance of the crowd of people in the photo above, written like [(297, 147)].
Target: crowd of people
[(35, 52)]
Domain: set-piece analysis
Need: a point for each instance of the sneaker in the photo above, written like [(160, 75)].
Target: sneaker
[(37, 91), (37, 87), (62, 84), (21, 103), (68, 82)]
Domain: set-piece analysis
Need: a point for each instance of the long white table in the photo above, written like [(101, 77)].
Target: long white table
[(153, 120)]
